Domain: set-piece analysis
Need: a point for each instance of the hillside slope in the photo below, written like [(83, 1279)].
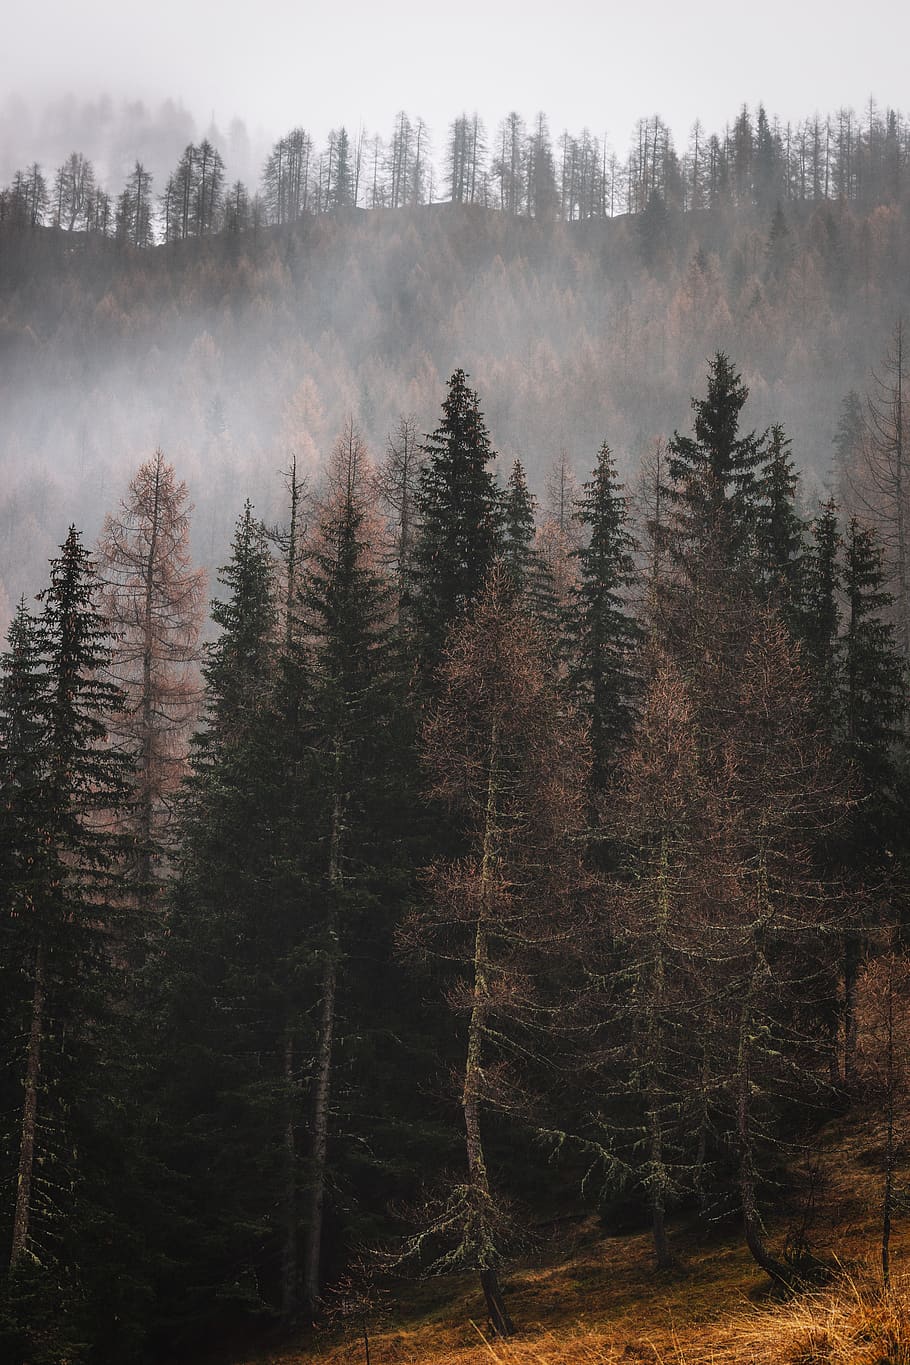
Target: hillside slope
[(231, 351), (584, 1297)]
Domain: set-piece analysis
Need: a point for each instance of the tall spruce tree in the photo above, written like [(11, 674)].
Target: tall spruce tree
[(601, 630), (873, 694), (518, 528), (779, 530), (459, 530), (220, 1024), (346, 610), (62, 787), (523, 563), (714, 480), (22, 687), (873, 675), (819, 617)]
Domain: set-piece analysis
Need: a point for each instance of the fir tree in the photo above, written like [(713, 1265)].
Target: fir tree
[(220, 982), (602, 633), (523, 564), (347, 696), (714, 484), (459, 531), (819, 617), (779, 530), (873, 691), (240, 662), (61, 786), (873, 688), (848, 442)]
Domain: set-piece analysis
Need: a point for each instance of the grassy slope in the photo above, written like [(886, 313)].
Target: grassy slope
[(589, 1299)]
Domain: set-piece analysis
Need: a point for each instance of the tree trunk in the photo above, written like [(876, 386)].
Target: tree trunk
[(748, 1201), (701, 1150), (657, 1193), (657, 1185), (322, 1091), (904, 604), (323, 1073), (852, 955), (289, 1252), (498, 1313), (888, 1200), (289, 1266), (146, 760), (478, 1179), (22, 1214)]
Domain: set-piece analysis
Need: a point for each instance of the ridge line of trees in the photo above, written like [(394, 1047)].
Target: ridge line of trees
[(755, 160)]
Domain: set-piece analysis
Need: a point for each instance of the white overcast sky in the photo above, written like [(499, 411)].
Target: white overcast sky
[(584, 62)]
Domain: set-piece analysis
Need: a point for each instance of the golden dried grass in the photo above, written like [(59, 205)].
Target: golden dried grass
[(592, 1299)]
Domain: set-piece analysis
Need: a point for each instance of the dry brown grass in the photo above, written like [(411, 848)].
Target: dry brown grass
[(591, 1299), (856, 1322)]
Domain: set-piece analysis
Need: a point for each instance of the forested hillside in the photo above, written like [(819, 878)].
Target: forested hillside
[(453, 768), (503, 862)]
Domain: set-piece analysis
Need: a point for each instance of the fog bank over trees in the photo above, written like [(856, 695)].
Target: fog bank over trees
[(154, 299), (115, 133)]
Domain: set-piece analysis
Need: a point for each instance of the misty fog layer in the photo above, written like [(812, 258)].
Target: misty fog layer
[(232, 351)]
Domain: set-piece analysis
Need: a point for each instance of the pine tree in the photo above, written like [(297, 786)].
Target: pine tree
[(220, 981), (459, 530), (873, 676), (601, 630), (713, 475), (518, 528), (819, 625), (521, 560), (346, 610), (779, 530), (239, 664), (62, 784), (873, 695), (882, 484)]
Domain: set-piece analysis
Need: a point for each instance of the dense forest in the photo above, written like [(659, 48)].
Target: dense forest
[(522, 827), (498, 860), (584, 290)]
